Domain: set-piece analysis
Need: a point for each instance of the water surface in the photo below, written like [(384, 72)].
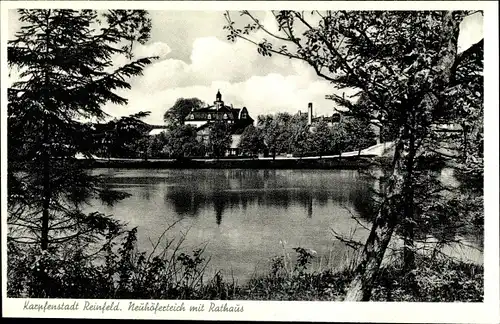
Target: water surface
[(245, 217)]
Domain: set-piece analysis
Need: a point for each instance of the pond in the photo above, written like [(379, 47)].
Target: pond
[(245, 217)]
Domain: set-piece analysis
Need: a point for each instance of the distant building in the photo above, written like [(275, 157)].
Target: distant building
[(156, 129), (311, 119), (237, 118)]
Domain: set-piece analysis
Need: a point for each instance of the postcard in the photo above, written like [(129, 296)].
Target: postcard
[(224, 160)]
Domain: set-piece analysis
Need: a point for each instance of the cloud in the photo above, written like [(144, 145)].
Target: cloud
[(271, 93), (245, 78), (263, 85), (211, 60), (159, 49), (240, 73)]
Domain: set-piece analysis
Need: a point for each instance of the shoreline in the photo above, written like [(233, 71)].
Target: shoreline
[(347, 163)]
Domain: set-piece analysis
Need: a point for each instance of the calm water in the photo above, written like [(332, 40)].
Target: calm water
[(245, 216)]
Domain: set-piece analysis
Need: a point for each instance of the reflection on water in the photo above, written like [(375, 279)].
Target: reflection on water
[(243, 215), (190, 193), (228, 191)]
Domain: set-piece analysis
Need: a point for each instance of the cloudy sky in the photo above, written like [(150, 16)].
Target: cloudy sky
[(196, 60)]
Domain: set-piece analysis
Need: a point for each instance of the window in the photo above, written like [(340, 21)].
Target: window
[(209, 116), (243, 115), (224, 116), (191, 116)]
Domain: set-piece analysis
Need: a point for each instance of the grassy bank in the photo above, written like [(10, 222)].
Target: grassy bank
[(122, 272), (343, 163), (440, 280)]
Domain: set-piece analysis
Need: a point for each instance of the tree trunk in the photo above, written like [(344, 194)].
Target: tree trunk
[(46, 154), (464, 130), (361, 286), (380, 235), (386, 220), (46, 188), (408, 216), (409, 247)]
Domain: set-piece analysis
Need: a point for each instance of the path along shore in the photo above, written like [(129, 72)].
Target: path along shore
[(346, 160)]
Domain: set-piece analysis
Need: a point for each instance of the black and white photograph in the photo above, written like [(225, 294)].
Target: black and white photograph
[(165, 160)]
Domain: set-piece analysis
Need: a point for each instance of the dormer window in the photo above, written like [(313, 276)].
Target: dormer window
[(209, 116), (243, 115), (191, 116), (224, 116)]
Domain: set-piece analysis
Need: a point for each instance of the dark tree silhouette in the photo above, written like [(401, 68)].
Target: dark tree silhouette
[(66, 76), (176, 114), (252, 141)]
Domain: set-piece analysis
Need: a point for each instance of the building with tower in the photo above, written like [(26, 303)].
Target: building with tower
[(237, 118), (218, 111)]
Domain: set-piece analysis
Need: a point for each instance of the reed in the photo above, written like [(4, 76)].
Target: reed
[(169, 271)]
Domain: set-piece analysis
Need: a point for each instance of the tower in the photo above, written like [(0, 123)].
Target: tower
[(218, 103), (309, 113)]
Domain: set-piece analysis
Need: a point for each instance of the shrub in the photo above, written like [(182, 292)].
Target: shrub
[(124, 272), (436, 280)]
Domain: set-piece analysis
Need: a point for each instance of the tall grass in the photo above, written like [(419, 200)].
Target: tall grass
[(168, 271)]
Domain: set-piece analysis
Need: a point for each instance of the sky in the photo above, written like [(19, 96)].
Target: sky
[(196, 60)]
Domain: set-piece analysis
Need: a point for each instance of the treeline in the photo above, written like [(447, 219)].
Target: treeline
[(284, 133), (272, 135)]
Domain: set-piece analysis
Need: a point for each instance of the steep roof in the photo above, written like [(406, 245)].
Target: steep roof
[(213, 109), (236, 128)]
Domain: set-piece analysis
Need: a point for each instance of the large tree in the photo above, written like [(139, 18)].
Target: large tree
[(176, 114), (275, 132), (122, 137), (404, 64), (219, 138), (181, 141), (252, 141), (298, 135), (360, 134), (321, 139), (65, 63)]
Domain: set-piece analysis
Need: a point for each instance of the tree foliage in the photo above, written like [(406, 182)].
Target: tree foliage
[(321, 140), (252, 141), (360, 134), (121, 137), (178, 112), (66, 75), (275, 132), (409, 79), (181, 141), (219, 138)]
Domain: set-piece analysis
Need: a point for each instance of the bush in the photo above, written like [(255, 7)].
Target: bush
[(435, 280), (123, 272), (118, 272)]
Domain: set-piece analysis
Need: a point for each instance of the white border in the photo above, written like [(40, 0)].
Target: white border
[(486, 312)]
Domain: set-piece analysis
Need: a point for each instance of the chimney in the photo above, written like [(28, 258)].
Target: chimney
[(309, 113)]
